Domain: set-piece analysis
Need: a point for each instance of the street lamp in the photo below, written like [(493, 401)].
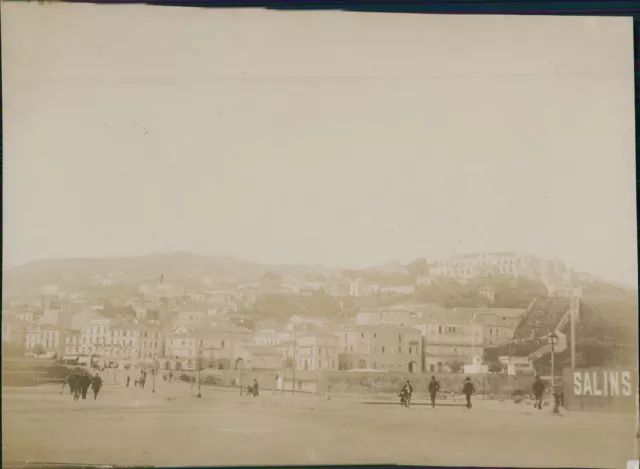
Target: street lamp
[(155, 373), (199, 365), (553, 340)]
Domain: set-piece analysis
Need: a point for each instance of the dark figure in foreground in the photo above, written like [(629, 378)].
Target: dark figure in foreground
[(434, 387), (71, 380), (468, 390), (253, 389), (538, 391), (85, 383), (128, 380), (405, 394), (74, 385), (96, 385)]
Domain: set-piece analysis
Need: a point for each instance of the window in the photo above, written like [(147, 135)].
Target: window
[(410, 350), (399, 337), (439, 329)]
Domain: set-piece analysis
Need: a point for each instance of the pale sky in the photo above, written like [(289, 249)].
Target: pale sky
[(341, 139)]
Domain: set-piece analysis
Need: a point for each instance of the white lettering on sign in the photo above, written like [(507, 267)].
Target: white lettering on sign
[(577, 384), (586, 387), (602, 383), (614, 383), (626, 383), (596, 391)]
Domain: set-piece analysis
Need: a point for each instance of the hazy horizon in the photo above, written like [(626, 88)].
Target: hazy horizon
[(319, 141)]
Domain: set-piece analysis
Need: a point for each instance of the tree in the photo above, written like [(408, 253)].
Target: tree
[(418, 267), (496, 367), (455, 366), (39, 350)]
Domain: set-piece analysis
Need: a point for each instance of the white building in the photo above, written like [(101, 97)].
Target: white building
[(478, 265)]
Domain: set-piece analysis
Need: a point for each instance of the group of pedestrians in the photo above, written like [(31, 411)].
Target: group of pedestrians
[(468, 389), (79, 383)]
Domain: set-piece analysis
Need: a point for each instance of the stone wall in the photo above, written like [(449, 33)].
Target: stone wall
[(498, 385)]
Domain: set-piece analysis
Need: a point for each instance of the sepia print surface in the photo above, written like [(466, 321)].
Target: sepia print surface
[(242, 237)]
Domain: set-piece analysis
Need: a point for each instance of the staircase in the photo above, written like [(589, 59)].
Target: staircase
[(562, 339)]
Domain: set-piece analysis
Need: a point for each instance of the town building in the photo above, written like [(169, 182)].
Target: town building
[(73, 345), (258, 357), (14, 331), (393, 316), (316, 351), (134, 342), (450, 343), (380, 348), (214, 344), (478, 265), (95, 335), (339, 287), (47, 338)]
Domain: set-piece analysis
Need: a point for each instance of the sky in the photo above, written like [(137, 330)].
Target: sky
[(332, 138)]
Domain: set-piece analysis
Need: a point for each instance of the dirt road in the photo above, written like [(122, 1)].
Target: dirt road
[(130, 426)]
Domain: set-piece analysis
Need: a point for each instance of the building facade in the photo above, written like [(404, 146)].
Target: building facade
[(478, 265), (215, 346), (380, 348), (316, 350)]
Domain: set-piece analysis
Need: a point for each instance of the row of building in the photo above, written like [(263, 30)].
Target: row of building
[(411, 338)]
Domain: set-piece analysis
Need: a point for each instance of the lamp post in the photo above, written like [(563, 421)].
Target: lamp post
[(553, 340), (199, 365), (154, 370)]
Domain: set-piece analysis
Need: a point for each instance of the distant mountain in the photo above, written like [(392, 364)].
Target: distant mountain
[(172, 265)]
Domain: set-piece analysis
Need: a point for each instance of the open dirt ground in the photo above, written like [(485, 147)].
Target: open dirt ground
[(131, 426)]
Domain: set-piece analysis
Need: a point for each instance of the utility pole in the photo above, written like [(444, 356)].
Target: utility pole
[(575, 311), (293, 368)]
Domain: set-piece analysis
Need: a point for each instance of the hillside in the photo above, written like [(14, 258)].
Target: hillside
[(606, 334), (173, 266)]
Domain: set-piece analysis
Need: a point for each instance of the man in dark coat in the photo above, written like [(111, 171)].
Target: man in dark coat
[(538, 391), (434, 387), (96, 385), (468, 390), (71, 381), (407, 391), (75, 384), (85, 382)]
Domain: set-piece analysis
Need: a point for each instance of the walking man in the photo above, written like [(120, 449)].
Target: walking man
[(96, 384), (407, 391), (468, 390), (434, 387), (128, 380), (538, 392), (85, 382)]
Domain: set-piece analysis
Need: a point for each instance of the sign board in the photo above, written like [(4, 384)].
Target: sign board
[(601, 389)]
